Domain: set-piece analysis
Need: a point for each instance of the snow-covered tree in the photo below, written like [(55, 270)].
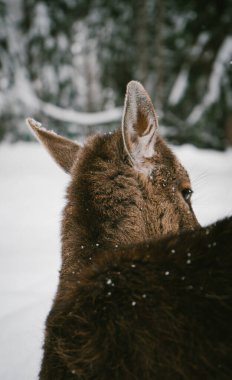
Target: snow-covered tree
[(80, 54)]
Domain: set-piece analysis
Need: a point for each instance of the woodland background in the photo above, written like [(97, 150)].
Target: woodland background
[(62, 58)]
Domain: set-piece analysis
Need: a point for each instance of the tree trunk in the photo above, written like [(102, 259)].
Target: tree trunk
[(159, 54), (141, 41)]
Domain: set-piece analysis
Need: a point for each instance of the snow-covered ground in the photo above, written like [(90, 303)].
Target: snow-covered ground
[(32, 196)]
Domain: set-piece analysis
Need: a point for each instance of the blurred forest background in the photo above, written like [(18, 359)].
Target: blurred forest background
[(63, 59)]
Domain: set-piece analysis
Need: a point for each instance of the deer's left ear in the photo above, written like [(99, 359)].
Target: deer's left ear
[(63, 150), (139, 127)]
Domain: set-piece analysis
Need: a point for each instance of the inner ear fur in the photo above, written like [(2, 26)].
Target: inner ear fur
[(139, 125), (64, 151)]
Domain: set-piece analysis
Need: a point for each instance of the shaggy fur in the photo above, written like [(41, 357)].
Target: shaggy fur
[(144, 291), (156, 310)]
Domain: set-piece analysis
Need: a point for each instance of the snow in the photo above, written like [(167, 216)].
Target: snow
[(181, 82), (211, 177), (30, 100), (22, 92), (214, 85), (82, 118), (201, 42), (32, 197), (179, 87), (31, 194), (42, 20), (23, 86)]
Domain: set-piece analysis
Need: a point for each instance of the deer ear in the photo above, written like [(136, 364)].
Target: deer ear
[(63, 150), (139, 127)]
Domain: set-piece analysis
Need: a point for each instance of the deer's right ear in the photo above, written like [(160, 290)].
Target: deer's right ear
[(63, 150), (139, 127)]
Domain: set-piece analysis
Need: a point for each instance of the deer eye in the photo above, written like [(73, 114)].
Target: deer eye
[(187, 193)]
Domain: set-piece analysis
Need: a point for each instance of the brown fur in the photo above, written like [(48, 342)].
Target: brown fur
[(144, 292)]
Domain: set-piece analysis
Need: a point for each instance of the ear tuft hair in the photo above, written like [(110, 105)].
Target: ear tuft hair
[(63, 150), (139, 126)]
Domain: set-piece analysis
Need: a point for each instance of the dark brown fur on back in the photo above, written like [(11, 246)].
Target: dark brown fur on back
[(155, 310)]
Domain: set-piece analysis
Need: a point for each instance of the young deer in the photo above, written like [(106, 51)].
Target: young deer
[(144, 291)]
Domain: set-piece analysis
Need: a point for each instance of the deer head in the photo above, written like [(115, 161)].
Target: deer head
[(125, 187)]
